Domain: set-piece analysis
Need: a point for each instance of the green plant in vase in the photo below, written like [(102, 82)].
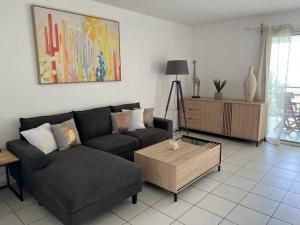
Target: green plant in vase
[(219, 86)]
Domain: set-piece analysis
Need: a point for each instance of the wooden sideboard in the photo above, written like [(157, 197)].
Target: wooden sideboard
[(239, 119)]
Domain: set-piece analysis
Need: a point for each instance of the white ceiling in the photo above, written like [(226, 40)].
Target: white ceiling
[(196, 12)]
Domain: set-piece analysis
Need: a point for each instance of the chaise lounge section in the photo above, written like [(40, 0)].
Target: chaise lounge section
[(78, 183)]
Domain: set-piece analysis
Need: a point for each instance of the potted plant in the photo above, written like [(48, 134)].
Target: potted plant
[(219, 86)]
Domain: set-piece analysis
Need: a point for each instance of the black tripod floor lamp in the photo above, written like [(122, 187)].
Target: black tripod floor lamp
[(177, 67)]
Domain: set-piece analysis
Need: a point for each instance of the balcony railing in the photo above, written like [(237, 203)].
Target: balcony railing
[(292, 115)]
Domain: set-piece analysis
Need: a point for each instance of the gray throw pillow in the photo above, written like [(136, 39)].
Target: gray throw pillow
[(120, 122), (66, 134)]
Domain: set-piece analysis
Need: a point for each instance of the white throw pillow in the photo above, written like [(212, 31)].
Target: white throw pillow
[(136, 119), (41, 137)]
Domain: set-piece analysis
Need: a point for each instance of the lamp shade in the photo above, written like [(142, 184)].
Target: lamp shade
[(177, 67)]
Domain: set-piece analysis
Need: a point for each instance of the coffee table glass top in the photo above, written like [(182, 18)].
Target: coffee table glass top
[(196, 141), (189, 148)]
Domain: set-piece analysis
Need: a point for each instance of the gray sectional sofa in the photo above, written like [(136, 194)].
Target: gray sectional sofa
[(77, 183)]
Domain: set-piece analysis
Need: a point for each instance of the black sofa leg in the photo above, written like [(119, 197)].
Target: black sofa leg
[(134, 199)]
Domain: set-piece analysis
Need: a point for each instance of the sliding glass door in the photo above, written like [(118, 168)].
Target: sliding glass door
[(283, 89)]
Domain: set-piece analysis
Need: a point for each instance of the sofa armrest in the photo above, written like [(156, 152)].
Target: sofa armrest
[(164, 124), (32, 159)]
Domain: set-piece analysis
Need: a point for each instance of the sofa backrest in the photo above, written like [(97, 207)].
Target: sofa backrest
[(29, 123), (131, 106), (90, 123), (93, 122)]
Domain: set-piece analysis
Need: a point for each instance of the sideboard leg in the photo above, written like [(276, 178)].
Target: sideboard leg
[(219, 168), (257, 143)]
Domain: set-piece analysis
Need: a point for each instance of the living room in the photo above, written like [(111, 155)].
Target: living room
[(122, 150)]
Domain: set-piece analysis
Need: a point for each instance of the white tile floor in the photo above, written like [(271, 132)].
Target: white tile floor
[(256, 186)]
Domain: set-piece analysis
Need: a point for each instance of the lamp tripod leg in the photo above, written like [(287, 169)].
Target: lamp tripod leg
[(167, 107), (178, 102), (182, 105)]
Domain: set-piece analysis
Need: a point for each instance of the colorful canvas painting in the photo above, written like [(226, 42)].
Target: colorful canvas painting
[(75, 48)]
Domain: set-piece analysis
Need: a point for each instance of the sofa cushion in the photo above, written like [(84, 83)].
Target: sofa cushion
[(131, 106), (81, 176), (114, 143), (149, 136), (29, 123), (93, 123)]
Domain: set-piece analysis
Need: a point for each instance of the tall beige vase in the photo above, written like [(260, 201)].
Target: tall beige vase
[(250, 85)]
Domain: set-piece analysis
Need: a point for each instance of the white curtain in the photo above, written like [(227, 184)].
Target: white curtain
[(264, 62), (279, 40)]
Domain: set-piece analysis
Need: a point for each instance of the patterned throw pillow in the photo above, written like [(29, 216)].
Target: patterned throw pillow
[(41, 137), (66, 134), (148, 117), (120, 122)]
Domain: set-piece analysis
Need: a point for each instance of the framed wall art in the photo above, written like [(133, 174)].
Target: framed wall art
[(71, 47)]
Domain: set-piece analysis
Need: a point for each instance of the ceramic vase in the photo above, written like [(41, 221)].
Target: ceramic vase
[(250, 85)]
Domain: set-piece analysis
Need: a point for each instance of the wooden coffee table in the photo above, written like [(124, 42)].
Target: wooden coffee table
[(175, 170)]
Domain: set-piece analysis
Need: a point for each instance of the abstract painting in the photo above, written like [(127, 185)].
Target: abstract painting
[(75, 48)]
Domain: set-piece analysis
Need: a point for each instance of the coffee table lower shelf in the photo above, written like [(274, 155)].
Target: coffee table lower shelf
[(197, 178)]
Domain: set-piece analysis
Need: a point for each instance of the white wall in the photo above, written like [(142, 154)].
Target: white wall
[(225, 50), (146, 44)]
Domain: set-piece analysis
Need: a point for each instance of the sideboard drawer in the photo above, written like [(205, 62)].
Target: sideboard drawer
[(192, 104), (191, 123), (193, 113)]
